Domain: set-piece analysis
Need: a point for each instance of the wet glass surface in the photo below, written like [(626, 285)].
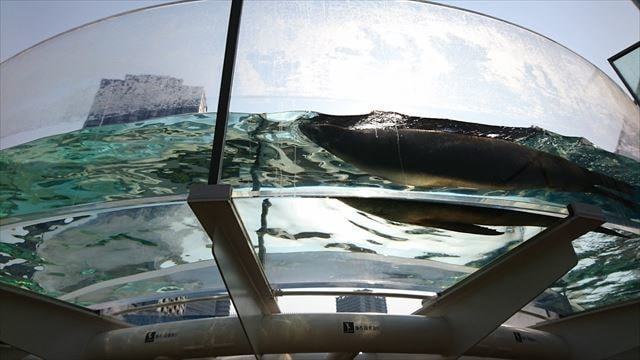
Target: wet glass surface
[(445, 106), (145, 64), (153, 158), (381, 150), (142, 264), (403, 245), (355, 57), (97, 114), (629, 68), (460, 138)]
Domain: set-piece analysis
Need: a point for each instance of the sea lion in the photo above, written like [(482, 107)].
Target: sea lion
[(430, 152), (454, 217)]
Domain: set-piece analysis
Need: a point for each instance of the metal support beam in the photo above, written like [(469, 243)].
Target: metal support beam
[(239, 266), (46, 327), (600, 334), (476, 306), (224, 99), (318, 333), (57, 330)]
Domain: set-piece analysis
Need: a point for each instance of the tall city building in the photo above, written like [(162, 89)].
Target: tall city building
[(141, 97), (360, 303)]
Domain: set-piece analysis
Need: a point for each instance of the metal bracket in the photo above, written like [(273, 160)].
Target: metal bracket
[(239, 266), (617, 326), (484, 300)]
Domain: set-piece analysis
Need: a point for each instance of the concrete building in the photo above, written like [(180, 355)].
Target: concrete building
[(360, 303), (141, 97)]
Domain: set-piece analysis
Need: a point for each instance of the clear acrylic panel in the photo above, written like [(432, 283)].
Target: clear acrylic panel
[(113, 110), (407, 246), (144, 264), (344, 242), (103, 130), (628, 66), (344, 117), (356, 57), (116, 260), (444, 94)]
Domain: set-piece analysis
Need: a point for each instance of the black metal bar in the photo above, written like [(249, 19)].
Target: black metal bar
[(224, 99), (617, 56)]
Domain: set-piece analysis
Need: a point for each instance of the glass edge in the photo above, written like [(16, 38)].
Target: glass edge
[(80, 27)]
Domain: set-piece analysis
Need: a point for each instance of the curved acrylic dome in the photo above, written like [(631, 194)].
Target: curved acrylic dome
[(466, 118)]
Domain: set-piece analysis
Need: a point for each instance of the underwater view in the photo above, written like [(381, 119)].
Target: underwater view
[(154, 158), (386, 150), (380, 200)]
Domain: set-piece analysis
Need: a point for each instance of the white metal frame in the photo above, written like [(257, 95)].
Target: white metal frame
[(54, 329)]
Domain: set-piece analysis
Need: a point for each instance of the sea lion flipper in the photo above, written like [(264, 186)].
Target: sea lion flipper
[(458, 227), (605, 231), (601, 190)]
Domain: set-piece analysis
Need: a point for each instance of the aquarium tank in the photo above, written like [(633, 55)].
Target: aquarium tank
[(364, 153)]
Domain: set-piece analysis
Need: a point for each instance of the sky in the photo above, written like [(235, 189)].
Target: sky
[(337, 58), (594, 29), (24, 23)]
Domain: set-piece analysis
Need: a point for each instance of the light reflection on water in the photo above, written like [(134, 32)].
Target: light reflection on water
[(163, 157), (297, 246), (166, 156)]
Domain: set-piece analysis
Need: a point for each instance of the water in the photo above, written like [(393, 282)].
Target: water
[(269, 151), (316, 242), (62, 255), (166, 156), (163, 157), (117, 162)]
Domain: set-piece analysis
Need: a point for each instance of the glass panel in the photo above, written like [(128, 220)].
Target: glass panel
[(372, 243), (367, 152), (546, 106), (629, 68), (116, 259), (103, 130), (96, 114), (407, 246)]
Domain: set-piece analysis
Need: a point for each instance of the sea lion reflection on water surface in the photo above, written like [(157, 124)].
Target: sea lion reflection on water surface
[(453, 217), (446, 153)]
